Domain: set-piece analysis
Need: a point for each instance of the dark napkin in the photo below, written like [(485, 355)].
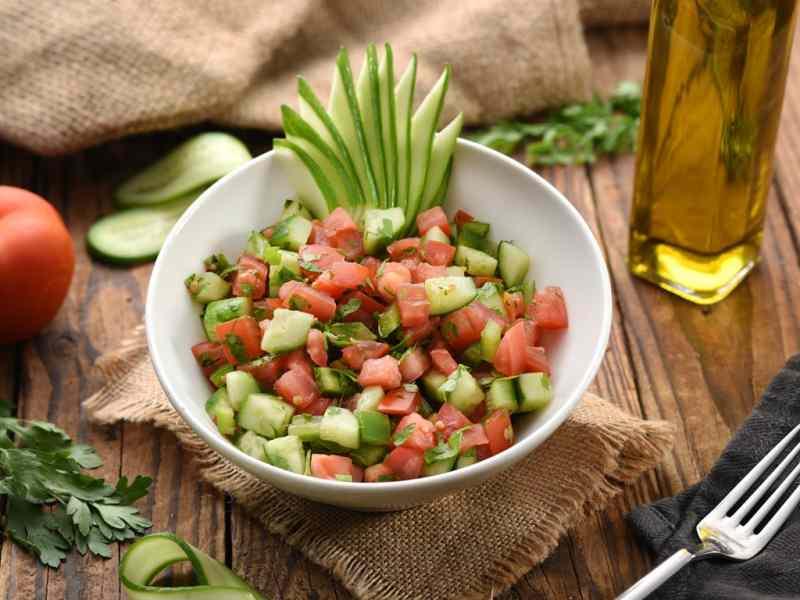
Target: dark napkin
[(669, 524)]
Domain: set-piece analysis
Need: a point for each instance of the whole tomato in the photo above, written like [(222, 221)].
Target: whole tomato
[(36, 263)]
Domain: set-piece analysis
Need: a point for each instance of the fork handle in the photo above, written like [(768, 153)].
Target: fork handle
[(650, 582)]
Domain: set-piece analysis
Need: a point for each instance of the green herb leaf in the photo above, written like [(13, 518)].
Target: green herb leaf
[(446, 450), (348, 308), (401, 436), (309, 266)]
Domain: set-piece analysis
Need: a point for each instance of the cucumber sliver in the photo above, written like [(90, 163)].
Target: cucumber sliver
[(404, 99), (368, 95), (444, 143), (195, 163), (389, 121), (313, 189)]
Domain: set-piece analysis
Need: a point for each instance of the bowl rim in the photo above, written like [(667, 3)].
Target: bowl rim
[(479, 471)]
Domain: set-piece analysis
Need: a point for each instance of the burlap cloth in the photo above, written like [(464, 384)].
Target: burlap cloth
[(468, 545), (77, 73)]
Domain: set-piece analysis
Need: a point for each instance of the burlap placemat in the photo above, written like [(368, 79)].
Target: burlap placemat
[(484, 538), (74, 74)]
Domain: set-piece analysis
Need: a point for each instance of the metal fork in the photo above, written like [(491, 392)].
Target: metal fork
[(726, 536)]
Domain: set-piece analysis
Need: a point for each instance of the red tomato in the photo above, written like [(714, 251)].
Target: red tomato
[(384, 372), (355, 354), (499, 431), (480, 280), (265, 371), (328, 466), (412, 335), (413, 304), (479, 411), (421, 436), (405, 463), (358, 474), (480, 313), (460, 328), (339, 220), (438, 253), (392, 276), (405, 248), (348, 275), (462, 217), (514, 304), (297, 359), (241, 339), (510, 358), (368, 304), (251, 278), (315, 344), (474, 436), (437, 342), (378, 473), (320, 256), (443, 361), (210, 356), (549, 309), (36, 263), (350, 243), (317, 235), (425, 271), (451, 419), (433, 217), (414, 364), (297, 387), (373, 264), (324, 283), (318, 407), (264, 309), (305, 298), (532, 332), (536, 360), (400, 401), (288, 288)]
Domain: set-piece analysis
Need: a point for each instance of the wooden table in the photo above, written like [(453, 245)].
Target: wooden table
[(703, 369)]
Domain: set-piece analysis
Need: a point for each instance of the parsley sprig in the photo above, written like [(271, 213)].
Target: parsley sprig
[(574, 134), (41, 468)]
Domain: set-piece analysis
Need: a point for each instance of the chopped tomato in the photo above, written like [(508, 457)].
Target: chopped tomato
[(536, 360), (297, 387), (481, 280), (405, 248), (251, 278), (436, 341), (348, 275), (305, 298), (357, 474), (405, 463), (350, 243), (422, 430), (328, 466), (479, 411), (241, 339), (510, 358), (317, 235), (315, 344), (480, 313), (377, 473), (514, 304), (337, 221), (451, 419), (209, 355), (549, 309), (460, 329), (288, 288), (318, 406), (425, 271), (297, 359), (373, 264), (324, 283), (354, 355), (412, 335), (265, 370), (499, 431), (414, 364), (443, 361), (400, 401), (368, 303), (264, 309), (474, 436), (433, 217), (438, 253), (321, 256), (391, 276), (532, 332), (413, 304), (384, 372), (462, 217)]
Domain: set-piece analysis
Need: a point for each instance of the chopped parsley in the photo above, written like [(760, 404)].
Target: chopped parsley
[(401, 436)]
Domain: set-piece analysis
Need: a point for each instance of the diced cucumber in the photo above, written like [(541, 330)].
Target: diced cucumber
[(369, 103), (476, 262), (197, 162), (207, 287), (438, 467), (514, 263), (287, 269), (253, 444), (292, 208), (404, 99), (456, 271), (444, 143), (435, 234), (287, 453), (291, 233), (311, 186), (388, 321), (240, 385), (287, 331), (331, 382), (381, 227), (259, 247), (470, 457), (306, 427), (389, 122), (430, 383), (374, 427), (528, 291), (490, 340), (265, 414), (489, 296), (369, 398), (473, 355), (474, 234), (218, 376), (339, 426), (501, 395), (447, 294), (220, 311), (425, 409), (534, 391), (221, 412), (366, 456), (462, 390)]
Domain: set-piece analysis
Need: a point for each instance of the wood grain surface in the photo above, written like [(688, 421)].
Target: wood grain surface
[(700, 368)]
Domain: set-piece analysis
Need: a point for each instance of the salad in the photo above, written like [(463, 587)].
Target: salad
[(346, 353)]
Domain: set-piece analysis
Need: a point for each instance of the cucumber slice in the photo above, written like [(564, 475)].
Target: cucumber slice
[(431, 382), (435, 234), (490, 340), (438, 467), (369, 103), (404, 101), (266, 415), (287, 269), (218, 376), (535, 391), (470, 457), (462, 390), (389, 122), (313, 189), (332, 382), (366, 456), (137, 234), (305, 427), (221, 412), (447, 294), (339, 426), (489, 296), (259, 247), (292, 208), (473, 355), (292, 233), (381, 227), (220, 311), (253, 445), (287, 331), (423, 127), (444, 144), (514, 263), (374, 427), (369, 398), (476, 262), (474, 234), (195, 163), (287, 453), (456, 271), (207, 287), (388, 321), (501, 395), (240, 385)]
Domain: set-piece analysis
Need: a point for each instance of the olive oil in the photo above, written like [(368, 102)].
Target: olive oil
[(713, 91)]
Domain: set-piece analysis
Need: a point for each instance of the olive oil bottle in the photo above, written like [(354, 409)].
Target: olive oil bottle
[(713, 91)]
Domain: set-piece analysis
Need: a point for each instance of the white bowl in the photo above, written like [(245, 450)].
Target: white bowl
[(520, 206)]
